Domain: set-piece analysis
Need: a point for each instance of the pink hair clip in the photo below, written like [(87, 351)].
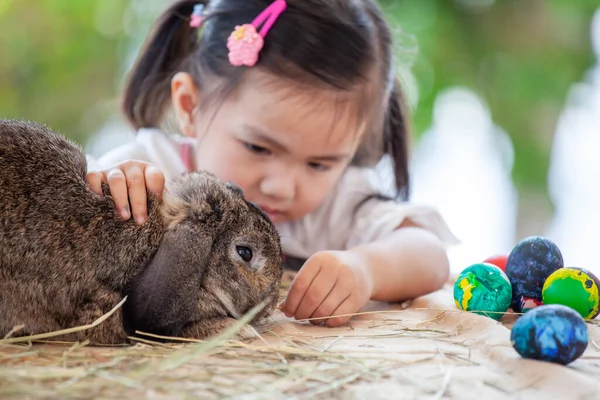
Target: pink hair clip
[(197, 18), (245, 42)]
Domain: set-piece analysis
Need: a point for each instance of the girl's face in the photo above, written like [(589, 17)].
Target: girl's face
[(285, 147)]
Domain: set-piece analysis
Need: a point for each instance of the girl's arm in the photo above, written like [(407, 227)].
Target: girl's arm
[(409, 262)]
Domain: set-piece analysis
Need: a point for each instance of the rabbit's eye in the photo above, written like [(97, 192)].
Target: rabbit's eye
[(244, 252)]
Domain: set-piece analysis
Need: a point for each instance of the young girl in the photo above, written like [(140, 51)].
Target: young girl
[(292, 101)]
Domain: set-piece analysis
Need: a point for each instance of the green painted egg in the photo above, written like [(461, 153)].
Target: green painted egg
[(573, 287), (483, 287)]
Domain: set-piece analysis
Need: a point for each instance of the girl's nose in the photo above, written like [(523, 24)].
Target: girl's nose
[(279, 185)]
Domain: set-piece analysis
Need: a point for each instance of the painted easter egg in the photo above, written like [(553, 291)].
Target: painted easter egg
[(499, 261), (483, 287), (528, 265), (554, 333), (573, 287)]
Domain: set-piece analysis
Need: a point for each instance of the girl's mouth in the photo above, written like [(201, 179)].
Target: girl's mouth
[(273, 214)]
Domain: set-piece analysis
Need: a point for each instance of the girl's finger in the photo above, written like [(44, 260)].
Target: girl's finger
[(319, 290), (94, 181), (118, 190), (299, 287), (348, 306), (155, 180), (136, 186), (334, 299)]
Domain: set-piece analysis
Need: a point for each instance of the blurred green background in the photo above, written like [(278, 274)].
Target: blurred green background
[(62, 63)]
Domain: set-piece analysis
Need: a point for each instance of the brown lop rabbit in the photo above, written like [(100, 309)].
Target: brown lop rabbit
[(204, 257)]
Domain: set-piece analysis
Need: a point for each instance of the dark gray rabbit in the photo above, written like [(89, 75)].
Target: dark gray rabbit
[(204, 257)]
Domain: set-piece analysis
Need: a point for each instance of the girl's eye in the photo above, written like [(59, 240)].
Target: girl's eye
[(244, 252), (257, 149), (319, 167)]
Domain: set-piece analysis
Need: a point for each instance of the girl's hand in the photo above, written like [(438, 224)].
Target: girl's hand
[(329, 283), (128, 182)]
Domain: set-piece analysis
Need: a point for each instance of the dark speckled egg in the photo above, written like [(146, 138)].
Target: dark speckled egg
[(554, 333), (529, 263)]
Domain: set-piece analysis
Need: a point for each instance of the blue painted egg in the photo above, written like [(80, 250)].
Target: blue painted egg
[(554, 333), (529, 263)]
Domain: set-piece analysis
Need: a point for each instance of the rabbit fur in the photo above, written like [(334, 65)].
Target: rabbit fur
[(203, 258)]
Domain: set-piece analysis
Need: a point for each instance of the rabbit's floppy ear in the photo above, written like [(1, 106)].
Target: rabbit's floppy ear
[(164, 296)]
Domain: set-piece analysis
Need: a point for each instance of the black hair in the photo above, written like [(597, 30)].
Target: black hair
[(336, 44)]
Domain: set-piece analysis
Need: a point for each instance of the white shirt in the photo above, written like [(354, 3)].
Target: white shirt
[(332, 226)]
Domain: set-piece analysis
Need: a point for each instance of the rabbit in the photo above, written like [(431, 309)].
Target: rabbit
[(204, 256)]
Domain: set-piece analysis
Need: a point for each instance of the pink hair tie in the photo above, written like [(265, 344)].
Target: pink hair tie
[(245, 42), (197, 18)]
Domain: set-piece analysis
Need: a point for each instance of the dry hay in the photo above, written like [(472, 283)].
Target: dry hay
[(418, 350)]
